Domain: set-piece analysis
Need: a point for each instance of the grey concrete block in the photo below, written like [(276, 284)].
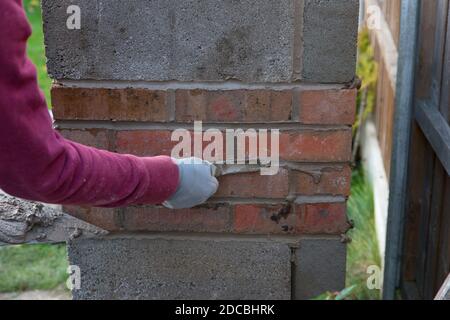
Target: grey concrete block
[(330, 30), (181, 269), (320, 266), (158, 40), (203, 40)]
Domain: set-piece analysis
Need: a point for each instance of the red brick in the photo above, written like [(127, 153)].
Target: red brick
[(106, 219), (279, 219), (233, 105), (98, 138), (247, 219), (302, 146), (264, 219), (204, 219), (109, 104), (310, 219), (254, 185), (328, 106), (268, 105), (152, 142), (203, 105), (316, 146), (145, 143), (138, 104), (328, 181), (327, 218)]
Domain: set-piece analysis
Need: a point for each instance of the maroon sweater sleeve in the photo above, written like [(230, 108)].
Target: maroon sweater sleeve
[(36, 163)]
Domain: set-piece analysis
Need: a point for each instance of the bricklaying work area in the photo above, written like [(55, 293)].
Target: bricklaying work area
[(136, 71)]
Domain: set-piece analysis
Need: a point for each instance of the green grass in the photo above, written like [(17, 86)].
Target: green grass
[(32, 267), (363, 250), (36, 49)]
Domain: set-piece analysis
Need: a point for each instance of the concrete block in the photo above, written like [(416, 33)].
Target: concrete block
[(320, 266), (159, 40), (330, 30), (181, 269)]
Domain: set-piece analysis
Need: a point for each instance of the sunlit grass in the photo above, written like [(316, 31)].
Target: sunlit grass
[(36, 49), (32, 267), (363, 250)]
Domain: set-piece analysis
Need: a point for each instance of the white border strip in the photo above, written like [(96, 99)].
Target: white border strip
[(376, 173)]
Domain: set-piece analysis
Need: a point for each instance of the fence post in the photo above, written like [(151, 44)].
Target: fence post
[(400, 154)]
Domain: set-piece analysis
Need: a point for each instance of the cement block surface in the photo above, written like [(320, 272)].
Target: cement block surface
[(159, 40), (330, 30), (320, 266), (181, 269), (203, 40)]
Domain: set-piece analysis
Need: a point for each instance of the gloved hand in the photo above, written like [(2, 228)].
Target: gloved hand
[(197, 184)]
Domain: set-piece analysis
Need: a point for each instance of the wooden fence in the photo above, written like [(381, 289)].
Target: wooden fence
[(426, 252), (424, 220), (385, 42)]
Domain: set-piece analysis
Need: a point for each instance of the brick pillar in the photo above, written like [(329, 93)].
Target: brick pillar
[(137, 70)]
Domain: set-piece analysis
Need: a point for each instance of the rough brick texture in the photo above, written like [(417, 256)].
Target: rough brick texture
[(327, 107), (311, 107), (108, 104), (332, 145), (138, 70), (235, 218), (326, 181)]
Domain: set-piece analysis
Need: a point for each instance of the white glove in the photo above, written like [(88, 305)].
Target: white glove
[(197, 184)]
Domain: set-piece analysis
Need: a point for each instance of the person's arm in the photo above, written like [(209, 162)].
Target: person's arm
[(37, 163)]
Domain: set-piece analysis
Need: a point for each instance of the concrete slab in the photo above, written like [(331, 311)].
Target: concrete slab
[(160, 40), (330, 31), (181, 269), (320, 266)]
